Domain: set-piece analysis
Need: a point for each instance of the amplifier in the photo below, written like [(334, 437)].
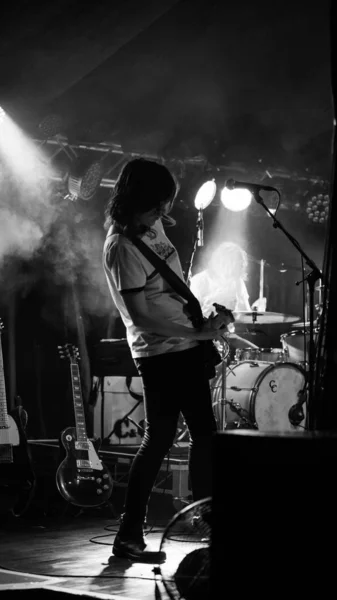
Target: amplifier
[(113, 357), (118, 409)]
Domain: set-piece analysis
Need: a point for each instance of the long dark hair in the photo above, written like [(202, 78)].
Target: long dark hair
[(141, 186)]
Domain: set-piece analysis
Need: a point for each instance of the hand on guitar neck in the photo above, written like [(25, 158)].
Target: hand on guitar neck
[(216, 325)]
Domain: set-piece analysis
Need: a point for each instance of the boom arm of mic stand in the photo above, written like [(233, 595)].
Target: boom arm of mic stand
[(311, 278)]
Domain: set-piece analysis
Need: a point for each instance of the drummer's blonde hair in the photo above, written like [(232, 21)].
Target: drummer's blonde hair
[(230, 261)]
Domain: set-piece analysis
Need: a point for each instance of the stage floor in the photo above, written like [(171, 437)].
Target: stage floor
[(69, 547), (73, 554)]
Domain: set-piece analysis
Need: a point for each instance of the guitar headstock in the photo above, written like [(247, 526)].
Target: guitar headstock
[(69, 351)]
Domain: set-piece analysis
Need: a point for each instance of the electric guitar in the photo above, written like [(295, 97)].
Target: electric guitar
[(81, 478), (212, 357), (17, 478)]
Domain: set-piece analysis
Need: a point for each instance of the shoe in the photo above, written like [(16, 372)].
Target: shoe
[(129, 541), (136, 550), (130, 547)]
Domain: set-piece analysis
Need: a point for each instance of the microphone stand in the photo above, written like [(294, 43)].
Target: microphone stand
[(198, 241), (311, 279)]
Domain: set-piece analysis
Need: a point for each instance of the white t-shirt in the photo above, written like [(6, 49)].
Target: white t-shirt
[(232, 294), (127, 270)]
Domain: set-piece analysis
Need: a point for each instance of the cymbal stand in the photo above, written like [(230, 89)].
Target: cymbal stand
[(223, 400)]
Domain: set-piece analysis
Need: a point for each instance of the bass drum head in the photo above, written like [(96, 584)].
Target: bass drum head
[(263, 392), (278, 388)]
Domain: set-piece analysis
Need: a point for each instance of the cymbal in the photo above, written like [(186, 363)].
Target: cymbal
[(263, 317), (306, 324)]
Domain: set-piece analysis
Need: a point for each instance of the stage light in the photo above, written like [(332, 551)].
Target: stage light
[(318, 208), (85, 185), (23, 158), (236, 200), (52, 125), (205, 195)]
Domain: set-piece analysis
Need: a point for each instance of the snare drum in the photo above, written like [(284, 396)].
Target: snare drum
[(260, 354), (261, 395), (296, 345)]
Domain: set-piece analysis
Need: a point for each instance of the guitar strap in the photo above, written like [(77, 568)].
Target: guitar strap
[(177, 284)]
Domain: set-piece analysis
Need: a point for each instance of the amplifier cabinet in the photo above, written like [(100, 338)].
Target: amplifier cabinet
[(119, 408)]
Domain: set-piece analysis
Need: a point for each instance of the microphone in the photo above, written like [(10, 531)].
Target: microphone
[(232, 184), (200, 228), (296, 414)]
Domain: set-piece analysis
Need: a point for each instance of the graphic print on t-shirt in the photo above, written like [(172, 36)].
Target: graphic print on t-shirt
[(163, 250)]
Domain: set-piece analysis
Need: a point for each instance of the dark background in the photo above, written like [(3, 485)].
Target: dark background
[(215, 89)]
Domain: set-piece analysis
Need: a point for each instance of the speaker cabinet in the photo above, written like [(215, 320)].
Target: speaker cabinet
[(274, 512), (117, 397)]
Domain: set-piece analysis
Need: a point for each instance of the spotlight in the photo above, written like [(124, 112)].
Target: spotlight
[(85, 185), (205, 195), (236, 200), (317, 208), (51, 126)]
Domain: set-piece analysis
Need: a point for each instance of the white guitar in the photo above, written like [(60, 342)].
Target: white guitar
[(17, 478)]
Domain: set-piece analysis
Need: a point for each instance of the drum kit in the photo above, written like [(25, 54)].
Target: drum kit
[(264, 388)]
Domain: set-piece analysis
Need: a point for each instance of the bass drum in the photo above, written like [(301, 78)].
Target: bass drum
[(261, 395)]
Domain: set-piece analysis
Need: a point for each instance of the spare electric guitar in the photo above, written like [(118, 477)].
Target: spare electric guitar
[(82, 479), (17, 478)]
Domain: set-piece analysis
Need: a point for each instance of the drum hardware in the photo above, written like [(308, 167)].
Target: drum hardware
[(242, 413), (235, 388), (223, 385)]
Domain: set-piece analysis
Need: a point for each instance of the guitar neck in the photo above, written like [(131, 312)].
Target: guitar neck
[(81, 429), (4, 423)]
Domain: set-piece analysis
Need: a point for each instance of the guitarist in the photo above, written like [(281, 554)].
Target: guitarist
[(164, 343)]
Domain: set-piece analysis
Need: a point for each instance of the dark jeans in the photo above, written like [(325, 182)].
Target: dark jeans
[(172, 383)]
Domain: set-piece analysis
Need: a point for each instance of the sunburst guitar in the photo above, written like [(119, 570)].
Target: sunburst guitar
[(82, 478)]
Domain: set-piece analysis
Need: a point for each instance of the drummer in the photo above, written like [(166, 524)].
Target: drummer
[(223, 282)]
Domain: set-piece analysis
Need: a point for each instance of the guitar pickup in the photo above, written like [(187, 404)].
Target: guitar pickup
[(83, 464), (85, 478), (81, 446)]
